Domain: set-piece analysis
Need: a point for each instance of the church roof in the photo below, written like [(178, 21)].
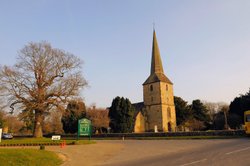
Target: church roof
[(157, 72), (157, 77), (138, 108)]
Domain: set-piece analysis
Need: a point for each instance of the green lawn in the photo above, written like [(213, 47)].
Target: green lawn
[(29, 141), (28, 157)]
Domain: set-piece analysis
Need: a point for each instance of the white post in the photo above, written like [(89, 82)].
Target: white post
[(156, 129), (0, 135)]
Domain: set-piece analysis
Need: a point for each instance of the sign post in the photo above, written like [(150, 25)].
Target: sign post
[(84, 128), (56, 137)]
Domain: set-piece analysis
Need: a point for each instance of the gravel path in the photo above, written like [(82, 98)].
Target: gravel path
[(87, 155)]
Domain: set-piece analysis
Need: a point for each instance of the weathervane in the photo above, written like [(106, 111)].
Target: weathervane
[(153, 25)]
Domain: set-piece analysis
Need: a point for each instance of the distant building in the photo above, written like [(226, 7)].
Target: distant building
[(157, 112)]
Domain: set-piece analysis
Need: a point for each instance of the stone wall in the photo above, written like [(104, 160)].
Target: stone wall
[(139, 123)]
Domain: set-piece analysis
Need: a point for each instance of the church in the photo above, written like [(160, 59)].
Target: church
[(157, 111)]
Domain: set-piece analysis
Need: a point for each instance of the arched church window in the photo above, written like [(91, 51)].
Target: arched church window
[(166, 87), (151, 87), (152, 99), (169, 112), (169, 127)]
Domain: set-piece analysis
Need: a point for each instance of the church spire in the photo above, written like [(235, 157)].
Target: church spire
[(156, 64), (157, 73)]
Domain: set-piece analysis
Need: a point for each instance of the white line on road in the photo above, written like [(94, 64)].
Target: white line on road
[(194, 162), (235, 151)]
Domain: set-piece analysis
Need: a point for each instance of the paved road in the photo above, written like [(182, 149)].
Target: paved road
[(229, 152), (233, 152)]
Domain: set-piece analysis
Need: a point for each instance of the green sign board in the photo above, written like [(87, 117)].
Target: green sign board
[(84, 127)]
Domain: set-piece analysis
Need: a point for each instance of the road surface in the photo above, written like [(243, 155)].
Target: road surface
[(233, 152), (212, 152)]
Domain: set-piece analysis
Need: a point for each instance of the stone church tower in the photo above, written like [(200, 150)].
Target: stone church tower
[(158, 96)]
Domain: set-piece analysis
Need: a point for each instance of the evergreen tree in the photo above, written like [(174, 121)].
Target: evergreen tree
[(183, 111), (238, 106), (200, 112), (75, 110), (121, 115), (219, 121)]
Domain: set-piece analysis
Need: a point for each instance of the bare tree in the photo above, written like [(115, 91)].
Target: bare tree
[(194, 125), (42, 78), (53, 124), (99, 118), (214, 108), (13, 124), (2, 120)]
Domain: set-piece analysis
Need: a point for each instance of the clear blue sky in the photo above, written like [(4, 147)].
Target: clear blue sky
[(204, 44)]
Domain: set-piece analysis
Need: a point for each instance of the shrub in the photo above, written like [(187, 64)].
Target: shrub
[(42, 147)]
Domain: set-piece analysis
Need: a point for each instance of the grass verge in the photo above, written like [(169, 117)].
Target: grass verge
[(28, 157), (41, 141)]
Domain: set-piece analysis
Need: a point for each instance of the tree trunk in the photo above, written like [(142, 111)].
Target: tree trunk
[(38, 132), (101, 130)]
